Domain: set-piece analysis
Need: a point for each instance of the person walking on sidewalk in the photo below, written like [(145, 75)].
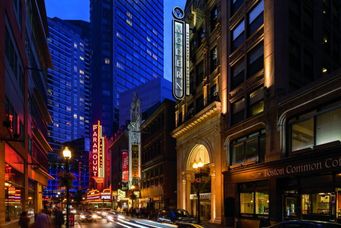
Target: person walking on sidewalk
[(58, 218), (24, 220), (42, 220)]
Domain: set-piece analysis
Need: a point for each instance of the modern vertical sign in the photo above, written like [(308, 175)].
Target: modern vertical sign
[(180, 55), (97, 157)]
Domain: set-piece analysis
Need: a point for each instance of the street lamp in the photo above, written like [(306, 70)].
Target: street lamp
[(67, 157), (197, 167)]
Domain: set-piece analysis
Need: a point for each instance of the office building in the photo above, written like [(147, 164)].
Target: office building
[(24, 117), (151, 93), (265, 89), (199, 118), (127, 52), (158, 158), (280, 136), (69, 81), (68, 97)]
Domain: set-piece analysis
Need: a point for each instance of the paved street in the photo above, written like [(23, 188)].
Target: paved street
[(125, 222)]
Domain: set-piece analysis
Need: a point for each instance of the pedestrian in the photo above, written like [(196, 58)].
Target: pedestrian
[(58, 217), (24, 220), (42, 220)]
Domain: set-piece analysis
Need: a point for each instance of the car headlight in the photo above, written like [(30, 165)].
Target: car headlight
[(82, 216), (121, 217), (110, 218), (94, 216)]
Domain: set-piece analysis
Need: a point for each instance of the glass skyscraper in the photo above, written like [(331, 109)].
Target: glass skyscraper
[(69, 101), (68, 81), (128, 43)]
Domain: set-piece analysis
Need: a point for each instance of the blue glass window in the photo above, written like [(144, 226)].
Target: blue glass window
[(255, 19), (238, 35)]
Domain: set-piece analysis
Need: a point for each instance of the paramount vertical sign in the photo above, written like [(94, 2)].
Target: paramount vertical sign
[(180, 55), (97, 153)]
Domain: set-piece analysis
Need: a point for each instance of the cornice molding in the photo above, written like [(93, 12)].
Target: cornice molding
[(211, 110)]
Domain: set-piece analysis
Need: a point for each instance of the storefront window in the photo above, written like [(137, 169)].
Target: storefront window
[(13, 193), (318, 203), (254, 199), (338, 203), (13, 197), (254, 203), (247, 203), (262, 203)]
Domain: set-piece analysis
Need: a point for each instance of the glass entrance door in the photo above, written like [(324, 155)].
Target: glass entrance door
[(290, 205)]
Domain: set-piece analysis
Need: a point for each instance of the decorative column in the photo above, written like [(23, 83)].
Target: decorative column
[(213, 192), (183, 191), (188, 191)]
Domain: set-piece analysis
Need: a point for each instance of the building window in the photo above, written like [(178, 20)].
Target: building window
[(18, 11), (238, 109), (214, 18), (294, 55), (302, 135), (237, 74), (255, 17), (255, 60), (107, 61), (248, 148), (247, 203), (200, 72), (318, 203), (214, 59), (14, 60), (315, 128), (256, 102), (328, 127), (254, 199), (199, 103), (235, 5), (238, 36), (201, 35)]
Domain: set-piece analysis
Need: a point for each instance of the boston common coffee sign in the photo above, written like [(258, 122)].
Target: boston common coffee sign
[(328, 163)]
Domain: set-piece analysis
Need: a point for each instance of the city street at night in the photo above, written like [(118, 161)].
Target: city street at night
[(170, 113)]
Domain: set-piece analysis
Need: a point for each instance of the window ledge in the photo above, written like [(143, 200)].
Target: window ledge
[(242, 164), (327, 145)]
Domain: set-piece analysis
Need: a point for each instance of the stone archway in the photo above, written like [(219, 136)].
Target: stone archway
[(199, 153)]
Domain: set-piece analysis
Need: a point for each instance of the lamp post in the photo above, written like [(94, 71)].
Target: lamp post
[(67, 156), (197, 167)]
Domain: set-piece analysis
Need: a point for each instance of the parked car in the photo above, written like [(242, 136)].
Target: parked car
[(305, 224), (175, 216)]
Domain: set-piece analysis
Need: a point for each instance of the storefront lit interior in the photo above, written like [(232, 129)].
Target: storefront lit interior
[(303, 184)]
